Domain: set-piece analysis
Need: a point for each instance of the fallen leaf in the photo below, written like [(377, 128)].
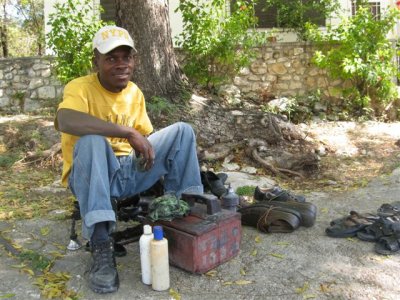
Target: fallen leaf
[(20, 266), (227, 283), (282, 243), (325, 288), (351, 239), (16, 246), (44, 231), (56, 254), (7, 296), (304, 288), (28, 271), (309, 296), (277, 255), (174, 294), (257, 239), (324, 210), (211, 273), (242, 272), (243, 282)]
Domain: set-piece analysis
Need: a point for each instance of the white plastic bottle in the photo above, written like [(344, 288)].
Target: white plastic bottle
[(159, 261), (145, 259)]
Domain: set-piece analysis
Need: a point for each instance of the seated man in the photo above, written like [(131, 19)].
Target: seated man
[(107, 153)]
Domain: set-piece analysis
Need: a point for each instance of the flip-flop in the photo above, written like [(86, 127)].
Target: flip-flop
[(270, 218), (355, 217), (348, 226), (388, 245), (384, 226), (389, 209)]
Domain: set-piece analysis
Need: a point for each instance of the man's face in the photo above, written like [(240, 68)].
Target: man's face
[(115, 68)]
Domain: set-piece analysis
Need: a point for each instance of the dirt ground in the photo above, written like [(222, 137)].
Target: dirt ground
[(359, 170)]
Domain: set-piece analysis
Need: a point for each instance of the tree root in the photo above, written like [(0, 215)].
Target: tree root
[(272, 169), (48, 155)]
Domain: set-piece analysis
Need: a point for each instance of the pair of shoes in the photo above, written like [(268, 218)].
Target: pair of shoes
[(382, 227), (389, 209), (103, 275), (388, 245), (214, 183), (307, 210), (348, 226), (269, 218), (277, 194)]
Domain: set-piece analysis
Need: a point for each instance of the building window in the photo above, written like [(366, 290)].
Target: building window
[(375, 8)]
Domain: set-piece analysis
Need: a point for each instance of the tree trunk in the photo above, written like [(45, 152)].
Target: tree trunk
[(157, 72), (3, 32)]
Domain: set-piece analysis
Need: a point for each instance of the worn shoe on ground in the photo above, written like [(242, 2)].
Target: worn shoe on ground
[(277, 194), (214, 183), (103, 275)]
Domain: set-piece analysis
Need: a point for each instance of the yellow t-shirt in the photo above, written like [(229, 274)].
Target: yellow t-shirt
[(127, 108)]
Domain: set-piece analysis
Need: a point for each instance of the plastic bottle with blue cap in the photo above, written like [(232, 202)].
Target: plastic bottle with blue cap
[(159, 260)]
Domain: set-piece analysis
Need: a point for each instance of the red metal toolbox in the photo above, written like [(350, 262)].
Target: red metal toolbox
[(206, 238)]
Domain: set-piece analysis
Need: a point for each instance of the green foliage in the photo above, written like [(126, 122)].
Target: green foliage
[(8, 159), (246, 190), (359, 51), (298, 109), (23, 26), (298, 14), (38, 262), (158, 106), (73, 26), (216, 43)]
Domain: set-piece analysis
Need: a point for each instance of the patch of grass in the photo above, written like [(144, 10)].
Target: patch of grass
[(8, 159), (37, 261), (246, 190)]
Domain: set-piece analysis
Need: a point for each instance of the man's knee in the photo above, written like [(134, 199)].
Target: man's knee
[(91, 140), (185, 128)]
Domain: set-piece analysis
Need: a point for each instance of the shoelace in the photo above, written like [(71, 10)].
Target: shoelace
[(103, 255)]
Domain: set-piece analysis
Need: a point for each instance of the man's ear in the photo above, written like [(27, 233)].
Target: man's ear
[(94, 62)]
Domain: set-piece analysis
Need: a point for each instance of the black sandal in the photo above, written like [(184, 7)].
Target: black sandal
[(382, 227)]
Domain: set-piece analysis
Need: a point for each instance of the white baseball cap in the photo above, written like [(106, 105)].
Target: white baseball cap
[(111, 37)]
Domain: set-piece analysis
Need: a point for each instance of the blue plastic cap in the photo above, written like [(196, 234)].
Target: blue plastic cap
[(158, 233)]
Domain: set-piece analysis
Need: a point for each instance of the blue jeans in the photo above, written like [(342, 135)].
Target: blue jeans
[(97, 175)]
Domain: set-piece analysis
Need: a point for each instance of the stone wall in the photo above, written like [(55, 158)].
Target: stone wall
[(283, 70), (28, 84), (280, 69)]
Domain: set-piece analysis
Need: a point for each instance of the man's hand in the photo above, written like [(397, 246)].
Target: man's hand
[(78, 123), (142, 146)]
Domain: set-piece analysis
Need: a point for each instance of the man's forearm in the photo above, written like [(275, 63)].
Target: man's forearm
[(78, 123)]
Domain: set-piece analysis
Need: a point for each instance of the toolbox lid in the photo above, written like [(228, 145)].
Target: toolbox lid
[(198, 222)]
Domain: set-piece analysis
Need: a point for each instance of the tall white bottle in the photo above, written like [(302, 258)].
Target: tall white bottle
[(159, 260), (145, 259)]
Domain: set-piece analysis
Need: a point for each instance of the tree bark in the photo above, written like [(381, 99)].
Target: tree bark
[(3, 32), (157, 72)]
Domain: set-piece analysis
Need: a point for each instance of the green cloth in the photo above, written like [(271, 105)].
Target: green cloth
[(167, 208)]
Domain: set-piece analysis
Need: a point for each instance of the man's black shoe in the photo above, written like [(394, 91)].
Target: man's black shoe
[(103, 275)]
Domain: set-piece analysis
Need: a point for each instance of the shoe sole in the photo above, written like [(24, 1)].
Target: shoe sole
[(104, 290)]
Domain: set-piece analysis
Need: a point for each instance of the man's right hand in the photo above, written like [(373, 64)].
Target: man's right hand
[(142, 146)]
